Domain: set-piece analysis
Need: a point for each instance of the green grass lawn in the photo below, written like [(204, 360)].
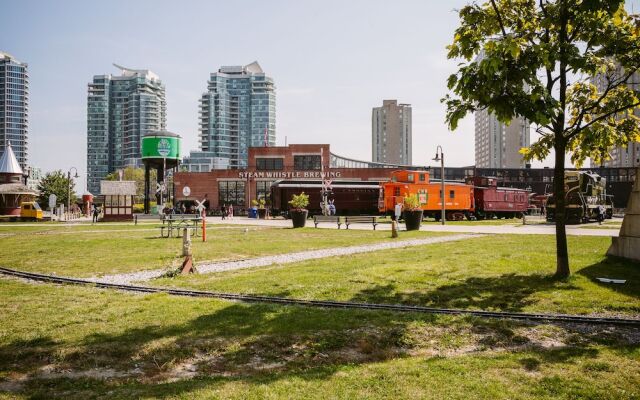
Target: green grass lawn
[(493, 272), (61, 342), (88, 250)]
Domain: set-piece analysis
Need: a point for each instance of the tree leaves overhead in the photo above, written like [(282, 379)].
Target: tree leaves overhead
[(541, 60)]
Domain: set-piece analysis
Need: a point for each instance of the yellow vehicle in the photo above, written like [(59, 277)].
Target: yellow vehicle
[(30, 210)]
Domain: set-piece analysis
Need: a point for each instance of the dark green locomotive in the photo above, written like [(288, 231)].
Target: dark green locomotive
[(585, 198)]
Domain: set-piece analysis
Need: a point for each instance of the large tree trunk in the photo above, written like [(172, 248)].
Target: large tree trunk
[(562, 254)]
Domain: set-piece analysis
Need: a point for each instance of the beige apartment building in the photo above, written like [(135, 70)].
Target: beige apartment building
[(391, 133), (497, 145)]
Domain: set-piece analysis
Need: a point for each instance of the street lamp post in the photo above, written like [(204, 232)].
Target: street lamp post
[(440, 157), (69, 188)]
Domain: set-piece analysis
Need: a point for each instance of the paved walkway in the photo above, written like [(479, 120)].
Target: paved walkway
[(518, 229), (282, 258)]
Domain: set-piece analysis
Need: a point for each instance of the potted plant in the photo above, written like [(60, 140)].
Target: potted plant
[(412, 213), (298, 210), (262, 211)]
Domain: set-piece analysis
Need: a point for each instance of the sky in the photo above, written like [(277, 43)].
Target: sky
[(332, 62)]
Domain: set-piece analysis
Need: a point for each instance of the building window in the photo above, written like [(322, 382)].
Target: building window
[(231, 192), (269, 164), (306, 163), (263, 189)]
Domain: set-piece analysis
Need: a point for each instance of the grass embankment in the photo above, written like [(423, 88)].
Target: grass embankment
[(496, 272), (78, 343), (88, 250)]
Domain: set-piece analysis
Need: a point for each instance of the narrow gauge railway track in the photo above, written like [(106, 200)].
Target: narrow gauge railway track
[(326, 303)]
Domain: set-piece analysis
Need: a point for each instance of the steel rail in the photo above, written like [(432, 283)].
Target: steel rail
[(583, 319)]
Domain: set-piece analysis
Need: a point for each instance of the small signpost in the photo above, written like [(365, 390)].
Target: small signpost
[(203, 212)]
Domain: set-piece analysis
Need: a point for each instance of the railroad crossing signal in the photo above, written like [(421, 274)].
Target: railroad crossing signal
[(161, 188), (200, 205)]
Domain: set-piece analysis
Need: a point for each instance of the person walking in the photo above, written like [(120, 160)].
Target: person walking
[(230, 211), (398, 211), (96, 213), (223, 211), (601, 212)]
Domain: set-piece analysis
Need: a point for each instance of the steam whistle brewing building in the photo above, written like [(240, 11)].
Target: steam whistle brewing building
[(267, 165)]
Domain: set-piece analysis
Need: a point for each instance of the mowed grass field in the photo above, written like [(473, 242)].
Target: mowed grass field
[(491, 272), (62, 342), (81, 343), (94, 250)]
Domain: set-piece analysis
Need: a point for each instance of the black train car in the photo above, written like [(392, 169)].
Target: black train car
[(349, 197)]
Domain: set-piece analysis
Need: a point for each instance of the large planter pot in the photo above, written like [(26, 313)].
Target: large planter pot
[(412, 220), (262, 213), (299, 218)]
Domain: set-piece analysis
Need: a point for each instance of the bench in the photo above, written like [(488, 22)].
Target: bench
[(178, 222), (362, 219), (327, 218)]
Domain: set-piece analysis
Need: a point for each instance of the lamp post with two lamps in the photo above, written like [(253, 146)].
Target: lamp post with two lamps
[(76, 176), (440, 157)]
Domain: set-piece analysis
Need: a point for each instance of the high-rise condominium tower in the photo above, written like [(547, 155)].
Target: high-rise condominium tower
[(497, 144), (238, 111), (629, 156), (14, 103), (120, 111), (391, 133)]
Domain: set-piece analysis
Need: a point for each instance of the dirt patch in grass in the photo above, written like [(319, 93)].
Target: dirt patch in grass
[(257, 355)]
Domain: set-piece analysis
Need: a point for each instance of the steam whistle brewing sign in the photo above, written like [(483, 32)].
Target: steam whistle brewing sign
[(161, 147), (289, 174), (164, 147)]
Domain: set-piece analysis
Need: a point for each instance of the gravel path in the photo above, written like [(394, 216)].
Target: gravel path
[(281, 258)]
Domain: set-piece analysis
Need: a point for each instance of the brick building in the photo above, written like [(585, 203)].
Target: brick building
[(265, 166)]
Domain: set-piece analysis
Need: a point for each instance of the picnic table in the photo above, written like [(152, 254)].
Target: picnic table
[(179, 222)]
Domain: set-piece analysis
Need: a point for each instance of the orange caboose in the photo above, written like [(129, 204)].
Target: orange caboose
[(459, 201)]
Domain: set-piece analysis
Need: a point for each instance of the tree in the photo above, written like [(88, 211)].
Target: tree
[(542, 60), (57, 183)]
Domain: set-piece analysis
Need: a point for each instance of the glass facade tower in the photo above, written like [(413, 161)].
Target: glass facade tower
[(120, 111), (14, 106), (238, 111)]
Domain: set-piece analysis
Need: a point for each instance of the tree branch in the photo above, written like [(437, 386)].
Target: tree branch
[(600, 118), (495, 8), (611, 84)]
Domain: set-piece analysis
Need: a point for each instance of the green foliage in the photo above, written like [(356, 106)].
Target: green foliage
[(137, 175), (299, 201), (57, 183), (564, 65), (411, 203)]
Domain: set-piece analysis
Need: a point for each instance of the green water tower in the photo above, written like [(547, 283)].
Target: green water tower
[(160, 151)]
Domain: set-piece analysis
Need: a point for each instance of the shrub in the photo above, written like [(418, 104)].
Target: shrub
[(411, 203), (299, 201)]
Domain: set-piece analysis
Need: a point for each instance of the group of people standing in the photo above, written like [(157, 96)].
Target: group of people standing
[(226, 211)]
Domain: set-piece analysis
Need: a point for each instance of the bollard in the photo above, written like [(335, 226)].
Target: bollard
[(394, 229), (204, 226), (186, 243), (187, 264)]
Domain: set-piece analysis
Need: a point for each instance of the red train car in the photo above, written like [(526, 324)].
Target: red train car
[(494, 201)]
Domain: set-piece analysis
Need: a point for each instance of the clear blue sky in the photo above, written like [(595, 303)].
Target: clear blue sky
[(332, 61)]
